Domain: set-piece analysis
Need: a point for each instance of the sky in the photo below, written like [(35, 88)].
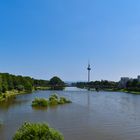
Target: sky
[(46, 38)]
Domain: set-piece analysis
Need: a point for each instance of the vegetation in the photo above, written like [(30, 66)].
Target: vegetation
[(13, 85), (133, 86), (40, 102), (56, 83), (102, 85), (37, 131), (10, 82), (63, 100), (53, 100)]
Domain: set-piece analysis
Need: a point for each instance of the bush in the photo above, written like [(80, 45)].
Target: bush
[(40, 102), (53, 100), (63, 100), (4, 95), (55, 96), (37, 131)]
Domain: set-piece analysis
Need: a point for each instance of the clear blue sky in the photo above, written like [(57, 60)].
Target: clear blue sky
[(43, 38)]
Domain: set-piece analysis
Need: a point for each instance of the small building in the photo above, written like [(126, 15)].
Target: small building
[(138, 78), (123, 82)]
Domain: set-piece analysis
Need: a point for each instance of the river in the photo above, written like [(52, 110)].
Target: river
[(91, 116)]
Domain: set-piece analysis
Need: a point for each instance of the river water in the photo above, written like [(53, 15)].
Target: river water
[(91, 116)]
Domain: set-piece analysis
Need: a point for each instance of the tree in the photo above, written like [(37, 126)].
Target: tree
[(37, 131), (28, 86), (56, 83), (0, 84)]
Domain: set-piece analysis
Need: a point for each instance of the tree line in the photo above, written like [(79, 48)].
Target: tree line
[(103, 84), (133, 85), (10, 82)]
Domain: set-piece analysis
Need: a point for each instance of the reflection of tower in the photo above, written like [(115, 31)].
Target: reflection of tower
[(89, 69)]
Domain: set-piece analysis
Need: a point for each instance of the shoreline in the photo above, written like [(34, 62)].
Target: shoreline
[(10, 94), (124, 91)]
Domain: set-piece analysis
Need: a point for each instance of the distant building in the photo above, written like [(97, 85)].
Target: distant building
[(138, 78), (123, 82)]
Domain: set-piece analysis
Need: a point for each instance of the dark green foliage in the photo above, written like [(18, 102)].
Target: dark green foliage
[(40, 102), (20, 88), (37, 131), (28, 86), (11, 82), (41, 83), (56, 83), (0, 84), (133, 85), (104, 84)]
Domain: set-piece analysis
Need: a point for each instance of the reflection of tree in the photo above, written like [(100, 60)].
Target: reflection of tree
[(11, 102)]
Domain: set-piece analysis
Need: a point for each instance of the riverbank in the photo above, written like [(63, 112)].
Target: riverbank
[(43, 88), (123, 90), (131, 92), (116, 90), (8, 94)]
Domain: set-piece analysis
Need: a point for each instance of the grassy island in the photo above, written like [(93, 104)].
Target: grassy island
[(53, 100), (37, 131)]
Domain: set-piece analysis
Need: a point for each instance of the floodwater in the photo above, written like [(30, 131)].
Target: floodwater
[(91, 116)]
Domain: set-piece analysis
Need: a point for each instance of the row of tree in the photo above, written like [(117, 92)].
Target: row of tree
[(133, 85), (10, 82), (104, 84)]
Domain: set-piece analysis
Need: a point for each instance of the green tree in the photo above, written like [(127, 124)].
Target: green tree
[(56, 83), (37, 131), (0, 84)]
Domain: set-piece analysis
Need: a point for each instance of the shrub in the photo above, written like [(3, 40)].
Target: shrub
[(63, 100), (4, 95), (37, 131), (40, 102), (53, 100), (55, 96)]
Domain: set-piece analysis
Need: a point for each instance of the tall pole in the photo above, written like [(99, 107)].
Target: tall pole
[(89, 69)]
